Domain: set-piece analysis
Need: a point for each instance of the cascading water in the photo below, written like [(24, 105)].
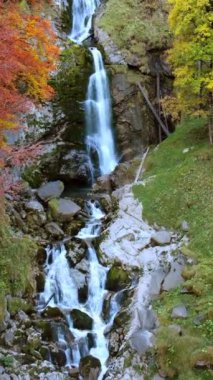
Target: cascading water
[(99, 116), (61, 291), (98, 110), (82, 11)]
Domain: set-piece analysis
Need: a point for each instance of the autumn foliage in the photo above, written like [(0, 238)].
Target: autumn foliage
[(28, 54)]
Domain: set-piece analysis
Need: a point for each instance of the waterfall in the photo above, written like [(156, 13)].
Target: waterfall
[(82, 12), (99, 116), (60, 283), (98, 109)]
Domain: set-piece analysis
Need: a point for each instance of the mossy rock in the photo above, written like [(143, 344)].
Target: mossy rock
[(90, 367), (15, 304), (81, 321), (117, 279)]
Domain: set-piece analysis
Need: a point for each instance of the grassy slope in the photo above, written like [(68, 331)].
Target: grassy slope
[(16, 262), (148, 27), (180, 188)]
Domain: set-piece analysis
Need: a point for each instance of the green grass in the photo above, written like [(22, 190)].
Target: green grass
[(136, 26), (179, 186), (16, 263)]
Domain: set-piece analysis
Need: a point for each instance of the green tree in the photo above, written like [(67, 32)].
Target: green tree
[(191, 56)]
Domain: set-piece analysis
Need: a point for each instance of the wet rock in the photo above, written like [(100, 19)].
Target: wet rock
[(179, 311), (103, 184), (90, 367), (81, 320), (52, 312), (161, 237), (41, 256), (75, 254), (83, 266), (58, 357), (74, 373), (141, 340), (50, 190), (54, 230), (76, 166), (34, 206), (81, 284), (40, 282), (63, 209), (117, 278)]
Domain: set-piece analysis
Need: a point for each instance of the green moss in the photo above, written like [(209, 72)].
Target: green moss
[(16, 263), (53, 205), (178, 186), (136, 26)]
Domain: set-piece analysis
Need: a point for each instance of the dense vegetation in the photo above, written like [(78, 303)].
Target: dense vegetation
[(28, 54)]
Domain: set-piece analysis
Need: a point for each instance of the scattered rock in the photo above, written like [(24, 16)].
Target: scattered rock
[(34, 206), (117, 278), (41, 256), (50, 190), (141, 340), (176, 328), (184, 226), (179, 311), (75, 167), (158, 377), (102, 184), (161, 237), (90, 367), (15, 304), (81, 320), (52, 312), (59, 357), (63, 209), (54, 230)]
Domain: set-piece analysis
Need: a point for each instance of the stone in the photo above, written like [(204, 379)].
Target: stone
[(184, 226), (22, 316), (117, 279), (54, 230), (50, 190), (52, 312), (103, 184), (40, 282), (176, 328), (179, 311), (5, 377), (15, 304), (158, 377), (63, 209), (76, 166), (90, 367), (161, 237), (81, 320), (141, 340), (174, 278), (58, 357), (9, 337), (34, 206), (41, 256)]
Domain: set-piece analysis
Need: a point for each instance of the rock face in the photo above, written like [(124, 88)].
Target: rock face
[(51, 190), (75, 167), (63, 209), (90, 367)]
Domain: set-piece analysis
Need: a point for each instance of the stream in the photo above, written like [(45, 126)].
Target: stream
[(61, 289)]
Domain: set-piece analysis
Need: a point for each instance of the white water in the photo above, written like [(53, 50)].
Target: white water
[(59, 282), (82, 13), (99, 116)]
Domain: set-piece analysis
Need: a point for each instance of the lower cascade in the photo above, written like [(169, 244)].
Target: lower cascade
[(61, 291), (99, 137)]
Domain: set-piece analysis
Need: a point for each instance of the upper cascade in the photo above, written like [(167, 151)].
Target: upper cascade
[(82, 12), (99, 136)]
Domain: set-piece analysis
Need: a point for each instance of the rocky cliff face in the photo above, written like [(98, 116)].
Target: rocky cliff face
[(134, 36)]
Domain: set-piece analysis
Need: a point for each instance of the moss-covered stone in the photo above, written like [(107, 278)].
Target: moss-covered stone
[(117, 278), (81, 321)]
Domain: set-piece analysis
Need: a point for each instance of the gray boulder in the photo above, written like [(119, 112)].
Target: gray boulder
[(141, 340), (63, 209), (50, 190), (34, 206), (54, 230), (161, 237), (179, 311)]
